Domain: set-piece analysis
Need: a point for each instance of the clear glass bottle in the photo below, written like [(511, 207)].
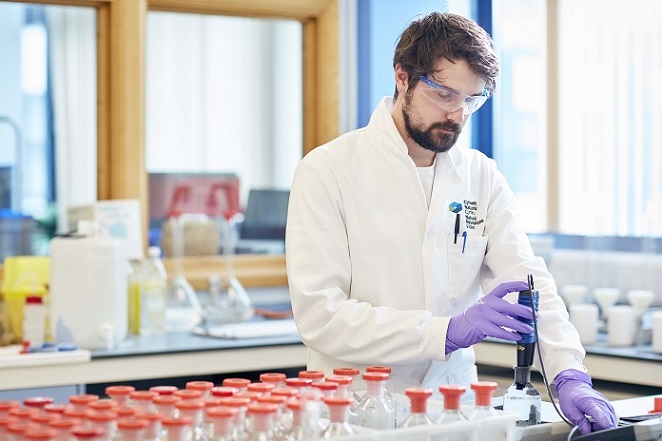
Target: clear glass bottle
[(523, 398), (193, 410), (357, 383), (374, 411), (165, 405), (262, 416), (152, 289), (142, 400), (238, 383), (222, 421), (7, 405), (203, 386), (183, 307), (344, 389), (418, 413), (89, 433), (105, 420), (483, 406), (81, 401), (388, 388), (153, 428), (338, 417), (275, 378), (130, 429), (120, 393), (41, 434), (177, 428), (240, 429), (228, 300), (64, 427), (38, 403), (280, 428), (452, 394)]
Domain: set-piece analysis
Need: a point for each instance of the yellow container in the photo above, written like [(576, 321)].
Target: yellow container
[(23, 276)]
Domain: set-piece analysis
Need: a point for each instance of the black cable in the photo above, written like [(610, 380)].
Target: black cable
[(542, 366)]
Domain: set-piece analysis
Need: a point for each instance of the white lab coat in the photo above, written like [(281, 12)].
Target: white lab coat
[(374, 274)]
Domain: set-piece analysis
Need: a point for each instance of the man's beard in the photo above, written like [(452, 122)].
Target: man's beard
[(431, 138)]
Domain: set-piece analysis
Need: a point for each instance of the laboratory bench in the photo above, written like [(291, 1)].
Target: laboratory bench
[(189, 355)]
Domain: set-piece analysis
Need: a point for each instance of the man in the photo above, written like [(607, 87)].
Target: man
[(393, 236)]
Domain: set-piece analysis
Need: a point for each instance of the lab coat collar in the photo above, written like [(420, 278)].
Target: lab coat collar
[(382, 122)]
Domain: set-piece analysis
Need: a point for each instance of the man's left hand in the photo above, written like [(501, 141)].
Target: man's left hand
[(579, 400)]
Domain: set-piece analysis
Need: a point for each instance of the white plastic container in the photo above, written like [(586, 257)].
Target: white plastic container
[(89, 290)]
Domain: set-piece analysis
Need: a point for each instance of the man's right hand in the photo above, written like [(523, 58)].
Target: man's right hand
[(488, 317)]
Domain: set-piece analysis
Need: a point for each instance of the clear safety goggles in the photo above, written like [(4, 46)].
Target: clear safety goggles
[(451, 100)]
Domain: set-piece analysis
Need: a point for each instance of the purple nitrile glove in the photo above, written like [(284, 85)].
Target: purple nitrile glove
[(578, 399), (488, 317)]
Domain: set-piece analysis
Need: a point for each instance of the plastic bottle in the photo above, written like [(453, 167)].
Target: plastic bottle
[(523, 398), (418, 414), (34, 321), (451, 413), (374, 411), (152, 290), (483, 408), (338, 417)]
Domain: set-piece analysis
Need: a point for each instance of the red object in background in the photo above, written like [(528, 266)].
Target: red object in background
[(196, 193)]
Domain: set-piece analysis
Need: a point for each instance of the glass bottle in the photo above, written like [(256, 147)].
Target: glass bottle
[(164, 390), (238, 383), (152, 288), (130, 429), (41, 434), (183, 307), (262, 416), (388, 396), (105, 420), (223, 391), (193, 410), (239, 431), (44, 419), (7, 405), (89, 433), (338, 417), (275, 378), (344, 389), (222, 422), (37, 403), (280, 425), (142, 400), (228, 300), (165, 404), (483, 406), (314, 376), (153, 430), (357, 383), (64, 427), (327, 389), (16, 430), (204, 386), (523, 398), (81, 401), (374, 411), (451, 413), (177, 428), (120, 393), (418, 413), (6, 420)]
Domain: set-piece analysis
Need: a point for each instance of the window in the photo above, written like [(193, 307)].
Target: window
[(609, 112)]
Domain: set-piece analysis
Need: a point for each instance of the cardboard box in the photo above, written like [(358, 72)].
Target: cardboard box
[(118, 218)]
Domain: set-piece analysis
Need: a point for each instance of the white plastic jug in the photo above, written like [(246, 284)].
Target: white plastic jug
[(89, 290)]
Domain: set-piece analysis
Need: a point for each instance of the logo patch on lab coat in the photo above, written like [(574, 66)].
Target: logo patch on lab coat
[(470, 209)]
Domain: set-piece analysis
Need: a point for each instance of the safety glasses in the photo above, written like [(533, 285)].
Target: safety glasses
[(450, 100)]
